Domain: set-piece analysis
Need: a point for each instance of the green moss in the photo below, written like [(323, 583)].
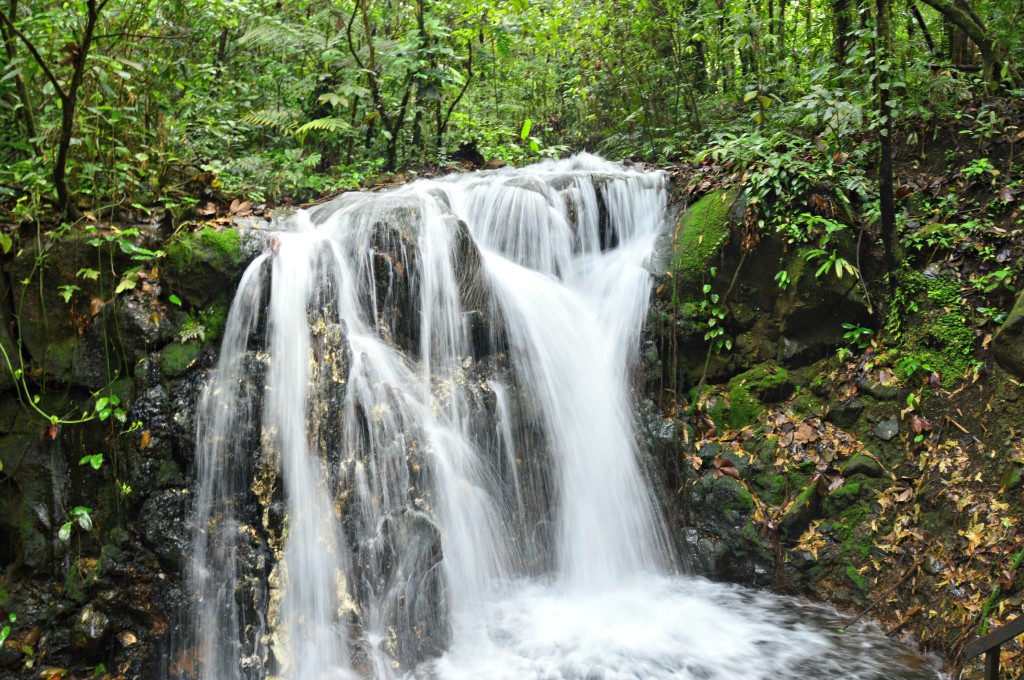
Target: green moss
[(806, 404), (933, 323), (702, 230), (220, 248), (862, 583), (176, 359), (202, 266), (746, 394)]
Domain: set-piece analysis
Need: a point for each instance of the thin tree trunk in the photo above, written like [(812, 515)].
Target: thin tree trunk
[(916, 12), (27, 117), (883, 55)]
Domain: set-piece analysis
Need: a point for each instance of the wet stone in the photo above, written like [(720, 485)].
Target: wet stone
[(887, 429), (861, 464), (90, 629)]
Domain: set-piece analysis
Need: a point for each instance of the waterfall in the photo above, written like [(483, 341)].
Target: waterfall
[(417, 456)]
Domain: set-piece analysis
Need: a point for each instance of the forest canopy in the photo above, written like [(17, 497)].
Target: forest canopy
[(109, 103)]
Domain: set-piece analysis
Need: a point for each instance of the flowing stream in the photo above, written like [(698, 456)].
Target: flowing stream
[(418, 457)]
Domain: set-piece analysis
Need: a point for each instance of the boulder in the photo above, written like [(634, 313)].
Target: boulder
[(1008, 343)]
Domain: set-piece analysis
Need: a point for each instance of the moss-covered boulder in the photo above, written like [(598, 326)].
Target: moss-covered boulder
[(204, 264), (701, 232), (1008, 343), (937, 332), (745, 394), (799, 515)]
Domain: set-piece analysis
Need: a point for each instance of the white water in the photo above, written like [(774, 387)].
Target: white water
[(441, 398)]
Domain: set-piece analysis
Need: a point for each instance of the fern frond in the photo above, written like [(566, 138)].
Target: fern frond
[(327, 124), (283, 121)]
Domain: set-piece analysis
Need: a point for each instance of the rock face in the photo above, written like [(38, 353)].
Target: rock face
[(92, 540), (770, 303), (1008, 343)]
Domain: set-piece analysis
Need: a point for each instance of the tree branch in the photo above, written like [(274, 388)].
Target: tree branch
[(465, 85), (35, 55)]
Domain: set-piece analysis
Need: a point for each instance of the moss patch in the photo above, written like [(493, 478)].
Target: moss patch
[(937, 334), (175, 359), (746, 394), (204, 265), (701, 231), (219, 248)]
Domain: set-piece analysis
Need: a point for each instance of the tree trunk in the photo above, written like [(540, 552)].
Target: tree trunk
[(916, 12), (991, 53), (25, 113), (69, 101), (883, 54), (841, 30)]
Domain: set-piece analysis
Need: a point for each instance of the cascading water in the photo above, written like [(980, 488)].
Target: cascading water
[(417, 456)]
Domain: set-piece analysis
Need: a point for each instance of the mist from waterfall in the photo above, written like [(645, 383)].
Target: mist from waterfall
[(417, 456)]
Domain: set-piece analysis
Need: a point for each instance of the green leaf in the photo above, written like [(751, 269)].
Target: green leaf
[(95, 461), (84, 520), (749, 96), (5, 243), (67, 291), (65, 532), (174, 299), (86, 273), (101, 403), (127, 283), (525, 132)]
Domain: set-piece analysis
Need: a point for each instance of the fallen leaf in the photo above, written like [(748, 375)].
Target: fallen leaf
[(144, 439), (95, 305), (1006, 195), (127, 638)]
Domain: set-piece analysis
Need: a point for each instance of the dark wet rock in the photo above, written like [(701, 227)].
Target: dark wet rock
[(1008, 343), (164, 531), (709, 452), (887, 429), (863, 464), (846, 413), (801, 512), (92, 626), (878, 390)]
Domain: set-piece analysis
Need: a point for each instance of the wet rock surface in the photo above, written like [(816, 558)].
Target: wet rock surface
[(93, 528)]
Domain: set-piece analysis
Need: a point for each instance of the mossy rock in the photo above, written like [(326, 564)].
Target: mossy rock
[(940, 334), (862, 464), (1008, 343), (724, 498), (799, 516), (203, 265), (700, 234), (747, 393), (176, 358)]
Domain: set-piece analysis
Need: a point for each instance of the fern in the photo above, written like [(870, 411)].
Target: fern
[(325, 124), (283, 122)]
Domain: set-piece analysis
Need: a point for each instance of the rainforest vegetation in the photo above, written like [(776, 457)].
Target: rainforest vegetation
[(864, 153)]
